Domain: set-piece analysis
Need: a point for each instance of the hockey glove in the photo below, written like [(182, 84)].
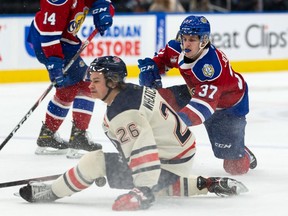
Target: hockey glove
[(149, 74), (221, 186), (102, 11), (136, 199), (55, 69)]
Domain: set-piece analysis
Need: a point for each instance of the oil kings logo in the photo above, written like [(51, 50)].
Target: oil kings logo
[(260, 36), (208, 70), (75, 24)]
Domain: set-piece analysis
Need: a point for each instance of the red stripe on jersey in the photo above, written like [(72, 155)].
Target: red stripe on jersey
[(179, 156), (55, 50), (74, 181), (144, 159)]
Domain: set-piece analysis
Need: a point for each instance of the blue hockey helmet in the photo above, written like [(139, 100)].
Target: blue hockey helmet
[(195, 25), (112, 67)]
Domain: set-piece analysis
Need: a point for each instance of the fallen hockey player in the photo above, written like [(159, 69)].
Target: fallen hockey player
[(155, 148)]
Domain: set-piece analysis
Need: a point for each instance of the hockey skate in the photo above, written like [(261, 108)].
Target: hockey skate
[(80, 143), (36, 192), (253, 160), (49, 143), (221, 186)]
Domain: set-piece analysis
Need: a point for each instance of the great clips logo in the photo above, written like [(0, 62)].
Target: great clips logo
[(260, 36), (255, 36)]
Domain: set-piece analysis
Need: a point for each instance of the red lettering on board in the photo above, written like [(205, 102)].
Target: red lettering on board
[(119, 48)]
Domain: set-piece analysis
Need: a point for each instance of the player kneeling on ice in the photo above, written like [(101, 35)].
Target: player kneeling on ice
[(213, 94), (155, 148)]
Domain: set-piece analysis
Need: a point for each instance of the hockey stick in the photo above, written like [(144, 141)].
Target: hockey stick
[(26, 181), (100, 182), (83, 46)]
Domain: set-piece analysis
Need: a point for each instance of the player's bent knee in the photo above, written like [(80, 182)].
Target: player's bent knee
[(92, 164), (237, 167)]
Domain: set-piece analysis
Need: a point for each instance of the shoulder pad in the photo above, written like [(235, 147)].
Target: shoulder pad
[(208, 68), (175, 45)]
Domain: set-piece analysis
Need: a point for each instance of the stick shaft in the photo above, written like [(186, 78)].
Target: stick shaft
[(83, 46), (26, 181), (26, 116)]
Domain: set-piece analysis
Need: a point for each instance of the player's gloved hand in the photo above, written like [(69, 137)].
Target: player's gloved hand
[(102, 11), (149, 73), (55, 69), (136, 199)]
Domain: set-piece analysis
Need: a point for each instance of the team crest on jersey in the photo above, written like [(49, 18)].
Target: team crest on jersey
[(208, 70), (173, 59), (82, 63), (57, 2), (76, 23)]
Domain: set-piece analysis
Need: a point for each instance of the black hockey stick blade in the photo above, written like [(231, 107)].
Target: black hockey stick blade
[(26, 181)]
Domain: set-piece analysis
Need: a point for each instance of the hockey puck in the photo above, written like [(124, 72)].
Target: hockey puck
[(100, 182)]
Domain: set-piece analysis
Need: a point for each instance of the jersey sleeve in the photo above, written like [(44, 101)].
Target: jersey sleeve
[(50, 22), (167, 57)]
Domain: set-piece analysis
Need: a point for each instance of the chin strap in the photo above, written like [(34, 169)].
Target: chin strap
[(108, 93)]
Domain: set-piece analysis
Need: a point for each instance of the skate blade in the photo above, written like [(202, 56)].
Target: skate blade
[(240, 187), (17, 194), (50, 151), (74, 153)]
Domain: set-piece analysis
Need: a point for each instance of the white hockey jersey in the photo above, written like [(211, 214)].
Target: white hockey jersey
[(149, 135)]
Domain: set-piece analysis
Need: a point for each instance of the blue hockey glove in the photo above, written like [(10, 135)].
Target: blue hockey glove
[(149, 74), (55, 69), (102, 11)]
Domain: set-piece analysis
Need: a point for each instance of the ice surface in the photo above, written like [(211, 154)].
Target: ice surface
[(266, 135)]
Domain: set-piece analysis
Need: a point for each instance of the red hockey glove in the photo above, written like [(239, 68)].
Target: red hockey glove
[(136, 199)]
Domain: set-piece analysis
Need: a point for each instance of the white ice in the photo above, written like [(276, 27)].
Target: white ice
[(266, 135)]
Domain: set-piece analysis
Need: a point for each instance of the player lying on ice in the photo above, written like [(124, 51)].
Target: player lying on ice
[(155, 148)]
